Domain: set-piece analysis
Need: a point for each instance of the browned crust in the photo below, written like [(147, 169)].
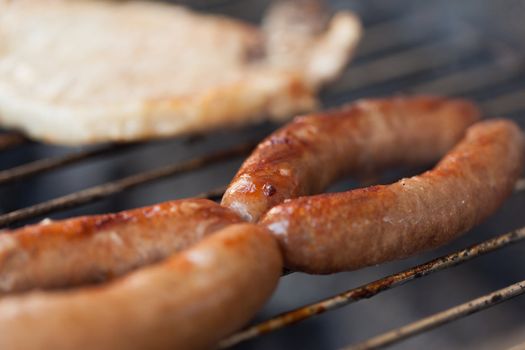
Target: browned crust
[(189, 301), (95, 248), (345, 231), (308, 154)]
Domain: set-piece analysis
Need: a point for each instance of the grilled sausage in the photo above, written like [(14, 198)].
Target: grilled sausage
[(188, 301), (94, 248), (308, 154), (345, 231)]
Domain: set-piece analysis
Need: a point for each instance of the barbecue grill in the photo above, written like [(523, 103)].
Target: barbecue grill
[(470, 49)]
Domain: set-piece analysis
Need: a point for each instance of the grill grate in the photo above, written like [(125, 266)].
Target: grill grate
[(101, 191), (371, 289), (441, 318), (462, 61)]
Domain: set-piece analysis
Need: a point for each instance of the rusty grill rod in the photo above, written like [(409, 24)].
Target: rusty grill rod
[(42, 165), (375, 43), (371, 289), (11, 139), (110, 188), (102, 191), (360, 78), (105, 190), (366, 291), (457, 82), (441, 318)]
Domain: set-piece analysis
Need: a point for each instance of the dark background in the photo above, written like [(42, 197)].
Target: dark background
[(459, 48)]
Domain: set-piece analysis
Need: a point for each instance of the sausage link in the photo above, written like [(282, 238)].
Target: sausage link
[(95, 248), (345, 231), (188, 301), (305, 156)]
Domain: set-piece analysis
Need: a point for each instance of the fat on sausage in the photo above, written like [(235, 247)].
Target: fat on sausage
[(305, 156), (189, 301), (344, 231), (95, 248)]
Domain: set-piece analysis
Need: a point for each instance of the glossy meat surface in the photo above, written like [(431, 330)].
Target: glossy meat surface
[(95, 248), (349, 230), (189, 301), (305, 156)]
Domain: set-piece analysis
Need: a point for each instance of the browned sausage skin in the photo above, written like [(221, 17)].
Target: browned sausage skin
[(188, 301), (305, 156), (345, 231), (94, 248)]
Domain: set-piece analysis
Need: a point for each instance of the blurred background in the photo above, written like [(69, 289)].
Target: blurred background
[(469, 48)]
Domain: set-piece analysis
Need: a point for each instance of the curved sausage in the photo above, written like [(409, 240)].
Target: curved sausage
[(95, 248), (305, 156), (189, 301), (345, 231)]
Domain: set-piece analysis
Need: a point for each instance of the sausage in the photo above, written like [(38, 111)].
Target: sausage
[(344, 231), (305, 156), (189, 301), (95, 248)]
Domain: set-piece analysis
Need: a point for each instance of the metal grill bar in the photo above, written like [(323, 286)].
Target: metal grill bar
[(375, 40), (88, 195), (39, 166), (105, 190), (375, 32), (454, 84), (507, 103), (472, 79), (10, 140), (398, 65), (407, 62), (442, 318), (110, 188), (215, 194), (371, 289)]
